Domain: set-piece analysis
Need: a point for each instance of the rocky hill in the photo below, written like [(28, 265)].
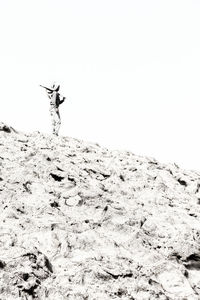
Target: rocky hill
[(81, 222)]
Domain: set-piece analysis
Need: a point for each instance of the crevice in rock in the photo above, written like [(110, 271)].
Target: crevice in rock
[(59, 169), (31, 291), (19, 210), (25, 276), (90, 171), (54, 204), (5, 128), (193, 215), (142, 221), (152, 163), (2, 264), (26, 186), (175, 255), (121, 177), (56, 177), (22, 141), (48, 264), (133, 169), (198, 188), (120, 293), (186, 274), (192, 262), (105, 175), (182, 182), (193, 256), (32, 257), (105, 208), (116, 276), (72, 179)]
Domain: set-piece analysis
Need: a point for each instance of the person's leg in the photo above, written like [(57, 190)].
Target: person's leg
[(57, 122), (53, 119)]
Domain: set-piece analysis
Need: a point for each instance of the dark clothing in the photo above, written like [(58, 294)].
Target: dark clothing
[(58, 100)]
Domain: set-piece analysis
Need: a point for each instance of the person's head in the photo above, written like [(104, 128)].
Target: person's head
[(55, 87)]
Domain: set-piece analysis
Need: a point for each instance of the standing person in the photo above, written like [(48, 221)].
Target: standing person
[(55, 100)]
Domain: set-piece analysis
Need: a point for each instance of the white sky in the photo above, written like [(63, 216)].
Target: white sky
[(129, 69)]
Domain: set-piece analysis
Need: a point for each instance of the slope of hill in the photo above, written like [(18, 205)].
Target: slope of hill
[(81, 222)]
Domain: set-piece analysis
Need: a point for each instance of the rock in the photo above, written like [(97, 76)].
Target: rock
[(73, 201), (175, 284), (5, 128), (81, 222)]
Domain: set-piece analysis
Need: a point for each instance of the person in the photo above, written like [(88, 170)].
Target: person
[(55, 100)]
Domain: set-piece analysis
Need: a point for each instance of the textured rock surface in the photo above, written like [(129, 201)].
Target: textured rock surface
[(81, 222)]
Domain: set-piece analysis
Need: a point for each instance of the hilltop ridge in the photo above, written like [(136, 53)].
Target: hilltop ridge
[(79, 221)]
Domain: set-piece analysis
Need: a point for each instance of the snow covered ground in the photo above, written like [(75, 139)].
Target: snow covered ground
[(81, 222)]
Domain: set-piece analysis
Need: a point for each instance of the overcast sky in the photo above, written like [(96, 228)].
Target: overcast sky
[(130, 70)]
